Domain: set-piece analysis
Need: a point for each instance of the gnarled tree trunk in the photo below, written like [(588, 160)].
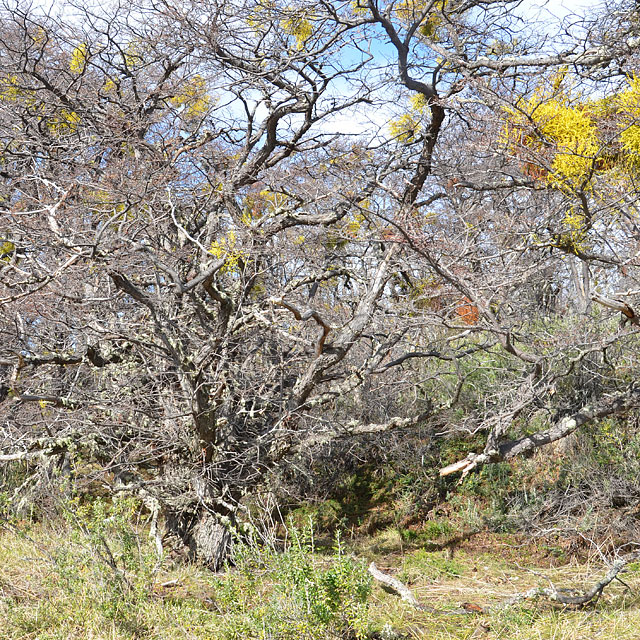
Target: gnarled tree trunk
[(205, 534)]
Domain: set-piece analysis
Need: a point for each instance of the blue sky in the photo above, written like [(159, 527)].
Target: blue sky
[(549, 11)]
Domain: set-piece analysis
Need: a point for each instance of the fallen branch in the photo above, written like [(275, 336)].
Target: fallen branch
[(568, 597), (395, 586), (573, 597), (619, 305), (616, 405)]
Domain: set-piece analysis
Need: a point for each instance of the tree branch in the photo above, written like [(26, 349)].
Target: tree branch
[(628, 313), (619, 404)]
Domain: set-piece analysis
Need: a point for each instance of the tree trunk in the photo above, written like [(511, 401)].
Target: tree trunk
[(210, 541), (582, 284), (206, 535)]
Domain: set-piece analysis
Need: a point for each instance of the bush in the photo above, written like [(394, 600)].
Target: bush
[(106, 559), (301, 595)]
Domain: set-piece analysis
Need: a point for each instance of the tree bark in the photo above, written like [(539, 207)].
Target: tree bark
[(205, 534), (210, 541)]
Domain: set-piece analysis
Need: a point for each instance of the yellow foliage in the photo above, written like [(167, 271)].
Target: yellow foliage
[(560, 130), (39, 36), (628, 108), (430, 28), (411, 10), (133, 55), (6, 249), (64, 122), (109, 86), (563, 132), (102, 201), (274, 200), (353, 226), (574, 233), (226, 248), (359, 6), (79, 59), (575, 137), (297, 24), (418, 102), (265, 201), (260, 16), (249, 215), (408, 125), (405, 128), (10, 90), (193, 97)]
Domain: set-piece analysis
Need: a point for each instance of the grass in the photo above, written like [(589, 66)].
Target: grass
[(490, 581), (54, 586)]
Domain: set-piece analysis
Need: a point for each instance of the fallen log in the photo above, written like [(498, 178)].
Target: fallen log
[(572, 597)]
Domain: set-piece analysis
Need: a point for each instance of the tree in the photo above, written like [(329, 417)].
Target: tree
[(200, 278)]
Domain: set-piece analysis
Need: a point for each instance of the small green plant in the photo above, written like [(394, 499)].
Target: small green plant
[(437, 529), (311, 597), (426, 564)]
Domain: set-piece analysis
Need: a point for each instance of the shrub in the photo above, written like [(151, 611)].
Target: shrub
[(301, 594)]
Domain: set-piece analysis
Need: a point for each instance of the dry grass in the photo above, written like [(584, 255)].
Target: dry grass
[(39, 601), (489, 580)]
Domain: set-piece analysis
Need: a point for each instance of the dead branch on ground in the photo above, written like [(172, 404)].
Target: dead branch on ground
[(567, 597)]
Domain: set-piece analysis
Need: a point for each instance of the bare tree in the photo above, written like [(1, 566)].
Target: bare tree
[(200, 277)]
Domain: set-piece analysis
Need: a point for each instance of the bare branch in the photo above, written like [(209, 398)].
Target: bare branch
[(619, 404)]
